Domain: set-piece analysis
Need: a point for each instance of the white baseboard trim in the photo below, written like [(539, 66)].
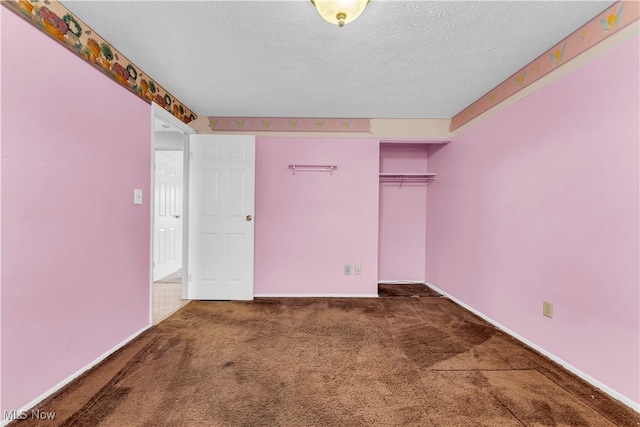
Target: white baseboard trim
[(72, 377), (588, 378), (316, 295)]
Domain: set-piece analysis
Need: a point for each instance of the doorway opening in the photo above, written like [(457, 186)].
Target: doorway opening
[(167, 227), (168, 215)]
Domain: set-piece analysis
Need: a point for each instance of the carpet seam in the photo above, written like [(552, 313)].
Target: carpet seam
[(456, 370), (507, 408), (75, 417), (417, 368), (594, 409)]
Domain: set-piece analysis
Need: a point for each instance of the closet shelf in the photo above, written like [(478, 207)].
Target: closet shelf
[(408, 175), (413, 142)]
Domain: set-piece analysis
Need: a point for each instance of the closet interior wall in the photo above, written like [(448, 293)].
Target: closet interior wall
[(402, 214)]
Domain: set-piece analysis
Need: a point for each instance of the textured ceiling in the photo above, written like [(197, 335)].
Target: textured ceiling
[(400, 59)]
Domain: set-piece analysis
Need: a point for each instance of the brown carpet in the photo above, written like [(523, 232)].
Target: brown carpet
[(406, 290), (399, 361)]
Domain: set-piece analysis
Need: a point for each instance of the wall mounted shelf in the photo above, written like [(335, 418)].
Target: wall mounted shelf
[(312, 168)]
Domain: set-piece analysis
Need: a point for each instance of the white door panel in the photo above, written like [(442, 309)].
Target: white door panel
[(221, 228), (167, 256)]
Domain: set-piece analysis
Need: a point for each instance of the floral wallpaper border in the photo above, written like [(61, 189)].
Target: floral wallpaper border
[(55, 20), (608, 22), (284, 124)]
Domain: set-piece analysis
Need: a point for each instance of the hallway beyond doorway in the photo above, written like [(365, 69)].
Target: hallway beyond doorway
[(167, 296)]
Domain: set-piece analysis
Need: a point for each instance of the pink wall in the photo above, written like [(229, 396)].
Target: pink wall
[(402, 228), (310, 224), (540, 202), (75, 258)]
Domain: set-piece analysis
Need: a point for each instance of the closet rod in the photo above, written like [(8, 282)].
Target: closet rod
[(408, 177)]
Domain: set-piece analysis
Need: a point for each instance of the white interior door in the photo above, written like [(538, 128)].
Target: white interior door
[(168, 183), (221, 208)]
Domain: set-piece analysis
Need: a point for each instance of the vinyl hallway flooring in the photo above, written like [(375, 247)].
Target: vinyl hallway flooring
[(167, 297)]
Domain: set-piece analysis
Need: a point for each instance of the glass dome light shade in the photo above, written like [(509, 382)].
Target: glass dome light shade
[(340, 12)]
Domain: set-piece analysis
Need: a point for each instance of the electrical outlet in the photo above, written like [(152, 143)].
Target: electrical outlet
[(347, 269), (547, 309), (357, 269)]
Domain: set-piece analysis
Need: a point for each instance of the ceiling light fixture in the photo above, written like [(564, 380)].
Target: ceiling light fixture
[(340, 12)]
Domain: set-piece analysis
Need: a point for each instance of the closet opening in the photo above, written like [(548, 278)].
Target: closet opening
[(404, 181)]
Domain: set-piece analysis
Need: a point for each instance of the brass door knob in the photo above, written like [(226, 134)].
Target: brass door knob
[(249, 217)]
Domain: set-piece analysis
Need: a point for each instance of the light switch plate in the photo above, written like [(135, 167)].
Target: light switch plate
[(137, 196)]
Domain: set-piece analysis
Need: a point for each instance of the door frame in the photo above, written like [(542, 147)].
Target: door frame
[(160, 114)]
